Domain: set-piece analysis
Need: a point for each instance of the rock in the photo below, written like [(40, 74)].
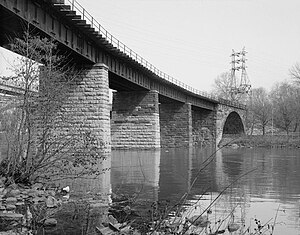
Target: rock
[(36, 200), (10, 207), (233, 227), (51, 193), (97, 205), (176, 221), (13, 193), (41, 193), (105, 231), (32, 192), (3, 192), (50, 222), (24, 194), (28, 215), (2, 180), (195, 230), (12, 186), (20, 203), (51, 186), (11, 200), (200, 221), (11, 216), (112, 219), (51, 202), (234, 146), (37, 186)]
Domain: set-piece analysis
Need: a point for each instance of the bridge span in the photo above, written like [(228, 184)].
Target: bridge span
[(150, 109)]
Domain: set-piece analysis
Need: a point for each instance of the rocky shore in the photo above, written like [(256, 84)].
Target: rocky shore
[(48, 209), (23, 208)]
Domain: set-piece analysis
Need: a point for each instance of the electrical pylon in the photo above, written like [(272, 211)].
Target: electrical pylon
[(240, 83)]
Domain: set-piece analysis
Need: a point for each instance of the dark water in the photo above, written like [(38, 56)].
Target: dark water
[(271, 193)]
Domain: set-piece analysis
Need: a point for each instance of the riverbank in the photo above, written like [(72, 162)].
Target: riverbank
[(46, 208), (267, 141)]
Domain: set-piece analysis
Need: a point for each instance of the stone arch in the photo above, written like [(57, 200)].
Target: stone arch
[(233, 124), (229, 123)]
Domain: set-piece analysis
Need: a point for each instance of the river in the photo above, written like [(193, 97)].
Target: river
[(268, 192)]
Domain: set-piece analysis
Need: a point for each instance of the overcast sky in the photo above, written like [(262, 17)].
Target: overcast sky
[(192, 40)]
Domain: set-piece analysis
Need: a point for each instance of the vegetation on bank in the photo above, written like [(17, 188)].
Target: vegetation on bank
[(266, 141), (274, 110), (42, 146), (42, 142)]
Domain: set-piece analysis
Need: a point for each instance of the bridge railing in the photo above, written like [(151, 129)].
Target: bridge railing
[(75, 6)]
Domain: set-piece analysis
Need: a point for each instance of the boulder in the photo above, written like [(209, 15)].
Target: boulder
[(233, 227), (50, 222), (234, 146), (13, 193), (199, 220), (11, 200), (51, 202), (37, 186), (10, 216), (10, 207)]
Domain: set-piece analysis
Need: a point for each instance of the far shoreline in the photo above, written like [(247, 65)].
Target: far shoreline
[(262, 141)]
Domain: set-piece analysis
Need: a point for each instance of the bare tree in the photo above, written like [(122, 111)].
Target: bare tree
[(222, 86), (261, 108), (285, 100), (39, 145), (295, 72)]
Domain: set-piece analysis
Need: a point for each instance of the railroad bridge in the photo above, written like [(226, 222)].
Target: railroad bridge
[(149, 110)]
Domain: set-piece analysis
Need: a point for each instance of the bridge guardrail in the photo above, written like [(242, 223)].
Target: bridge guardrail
[(75, 6)]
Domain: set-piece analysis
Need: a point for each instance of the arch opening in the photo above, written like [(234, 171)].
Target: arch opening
[(233, 125)]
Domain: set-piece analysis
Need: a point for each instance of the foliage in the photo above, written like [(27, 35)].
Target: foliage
[(42, 143)]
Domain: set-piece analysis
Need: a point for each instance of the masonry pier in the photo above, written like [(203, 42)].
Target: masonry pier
[(135, 120), (204, 130), (86, 107), (175, 124)]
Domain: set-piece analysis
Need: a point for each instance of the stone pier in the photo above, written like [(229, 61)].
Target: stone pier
[(175, 124), (204, 126), (135, 120), (87, 106)]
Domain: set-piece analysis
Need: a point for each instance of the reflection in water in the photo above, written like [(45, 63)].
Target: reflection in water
[(90, 185), (88, 204), (168, 174), (176, 180), (136, 172)]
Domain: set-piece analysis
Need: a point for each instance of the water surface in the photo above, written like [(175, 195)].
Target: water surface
[(271, 191)]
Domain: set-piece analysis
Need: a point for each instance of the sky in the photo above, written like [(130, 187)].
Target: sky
[(192, 40)]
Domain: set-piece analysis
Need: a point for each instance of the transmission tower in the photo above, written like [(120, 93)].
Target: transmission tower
[(240, 83)]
